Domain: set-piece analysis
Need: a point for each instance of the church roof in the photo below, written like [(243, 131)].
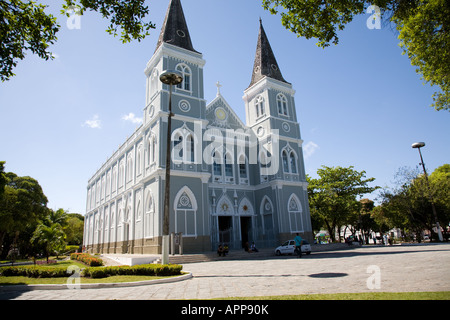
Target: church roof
[(174, 30), (265, 63)]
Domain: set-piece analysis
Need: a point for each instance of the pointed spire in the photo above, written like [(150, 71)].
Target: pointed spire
[(265, 63), (174, 30)]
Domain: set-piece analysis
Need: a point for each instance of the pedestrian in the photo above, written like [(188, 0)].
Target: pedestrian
[(298, 245)]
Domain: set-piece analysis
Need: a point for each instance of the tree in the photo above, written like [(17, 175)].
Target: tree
[(422, 26), (366, 220), (26, 26), (51, 237), (332, 197), (74, 229), (22, 205), (407, 206)]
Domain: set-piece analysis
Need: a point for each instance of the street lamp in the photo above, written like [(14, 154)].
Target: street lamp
[(171, 78), (418, 145)]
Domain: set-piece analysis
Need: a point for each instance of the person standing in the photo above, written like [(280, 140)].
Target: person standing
[(298, 245)]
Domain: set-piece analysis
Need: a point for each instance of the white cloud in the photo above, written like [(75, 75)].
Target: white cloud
[(309, 149), (132, 118), (94, 123)]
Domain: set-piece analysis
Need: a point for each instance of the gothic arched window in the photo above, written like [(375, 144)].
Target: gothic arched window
[(259, 105), (186, 72), (186, 212), (282, 104), (295, 214)]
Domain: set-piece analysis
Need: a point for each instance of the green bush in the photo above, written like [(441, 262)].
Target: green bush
[(34, 272), (139, 270)]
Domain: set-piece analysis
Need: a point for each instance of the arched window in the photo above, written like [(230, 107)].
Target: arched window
[(190, 145), (139, 161), (285, 161), (114, 179), (185, 206), (217, 165), (177, 153), (266, 211), (293, 162), (186, 72), (242, 167), (295, 214), (149, 223), (282, 104), (289, 159), (259, 105), (121, 173), (228, 165), (154, 82), (129, 169)]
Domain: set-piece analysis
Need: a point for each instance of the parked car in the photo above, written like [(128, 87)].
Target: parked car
[(289, 246)]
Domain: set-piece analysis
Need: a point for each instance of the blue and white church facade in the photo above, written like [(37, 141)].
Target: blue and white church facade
[(231, 182)]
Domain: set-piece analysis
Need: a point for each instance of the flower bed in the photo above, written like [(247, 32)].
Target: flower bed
[(87, 259), (138, 270)]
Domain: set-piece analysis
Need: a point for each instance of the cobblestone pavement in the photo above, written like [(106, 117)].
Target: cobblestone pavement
[(366, 269)]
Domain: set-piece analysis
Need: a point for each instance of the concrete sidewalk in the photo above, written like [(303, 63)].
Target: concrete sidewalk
[(377, 269)]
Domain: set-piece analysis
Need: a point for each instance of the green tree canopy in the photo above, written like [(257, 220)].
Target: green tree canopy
[(333, 196), (423, 27), (407, 206), (23, 203), (25, 26)]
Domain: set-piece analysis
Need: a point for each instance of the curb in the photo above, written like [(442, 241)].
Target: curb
[(78, 286)]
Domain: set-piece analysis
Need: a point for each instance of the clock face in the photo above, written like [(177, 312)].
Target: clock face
[(221, 114)]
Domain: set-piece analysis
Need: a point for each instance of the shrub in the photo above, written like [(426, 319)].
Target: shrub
[(87, 259), (34, 271), (139, 270)]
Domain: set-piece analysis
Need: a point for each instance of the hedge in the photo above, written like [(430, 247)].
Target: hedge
[(34, 271), (87, 259), (138, 270)]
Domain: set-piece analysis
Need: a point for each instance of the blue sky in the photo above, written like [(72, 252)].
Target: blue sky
[(360, 103)]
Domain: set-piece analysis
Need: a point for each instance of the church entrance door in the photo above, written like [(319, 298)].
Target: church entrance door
[(246, 229)]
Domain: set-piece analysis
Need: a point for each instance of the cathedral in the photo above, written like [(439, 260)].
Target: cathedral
[(230, 182)]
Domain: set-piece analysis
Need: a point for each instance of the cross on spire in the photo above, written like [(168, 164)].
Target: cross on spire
[(218, 85)]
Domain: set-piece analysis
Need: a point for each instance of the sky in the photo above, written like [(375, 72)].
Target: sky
[(359, 103)]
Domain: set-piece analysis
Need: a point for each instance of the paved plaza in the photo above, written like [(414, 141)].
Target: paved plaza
[(366, 269)]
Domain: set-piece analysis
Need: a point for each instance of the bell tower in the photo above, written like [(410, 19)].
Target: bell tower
[(174, 51)]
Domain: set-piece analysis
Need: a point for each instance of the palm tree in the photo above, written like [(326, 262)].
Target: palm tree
[(52, 238)]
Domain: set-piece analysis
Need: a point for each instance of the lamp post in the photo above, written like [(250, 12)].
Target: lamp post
[(171, 78), (418, 145)]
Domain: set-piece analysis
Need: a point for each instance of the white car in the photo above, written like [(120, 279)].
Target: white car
[(289, 246)]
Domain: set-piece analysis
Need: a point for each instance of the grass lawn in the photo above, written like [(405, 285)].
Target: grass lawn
[(442, 295), (113, 279), (63, 280)]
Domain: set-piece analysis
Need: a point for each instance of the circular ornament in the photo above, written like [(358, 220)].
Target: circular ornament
[(221, 115), (286, 127), (184, 106)]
